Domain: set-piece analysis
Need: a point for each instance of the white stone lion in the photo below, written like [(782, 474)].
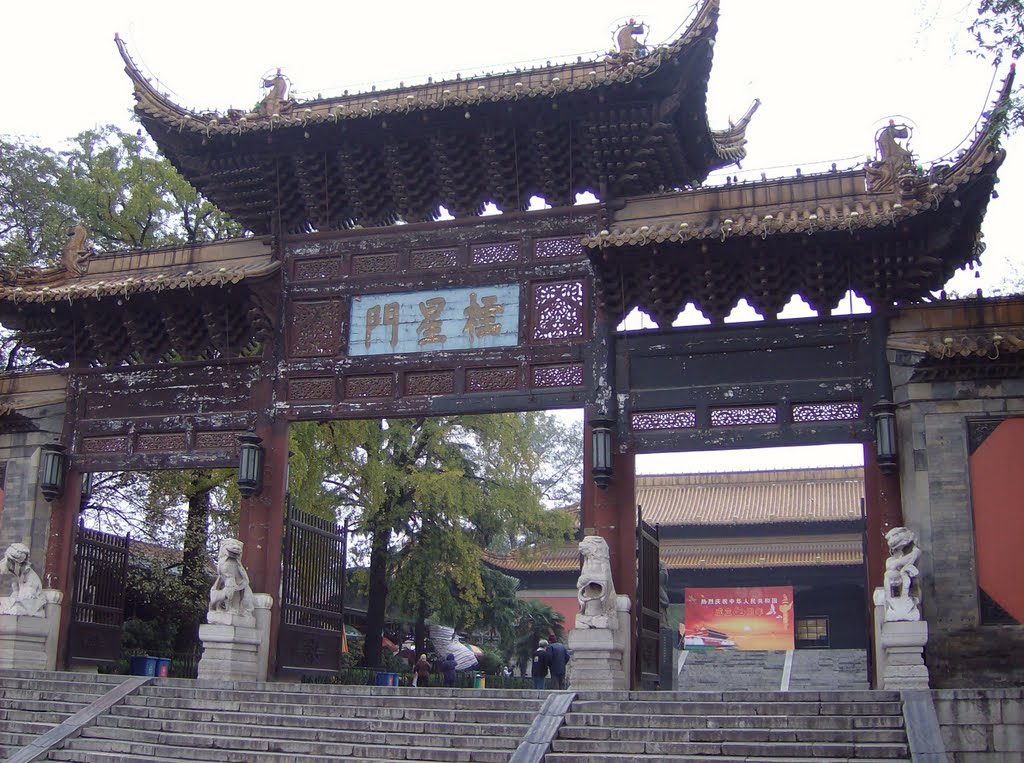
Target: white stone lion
[(902, 592), (26, 590), (230, 592), (596, 593)]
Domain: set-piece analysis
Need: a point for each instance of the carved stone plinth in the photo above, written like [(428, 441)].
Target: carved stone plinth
[(234, 645), (23, 642), (902, 646), (600, 656), (29, 642)]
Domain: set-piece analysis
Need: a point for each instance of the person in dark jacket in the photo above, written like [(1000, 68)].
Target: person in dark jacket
[(422, 671), (448, 669), (558, 658), (539, 666)]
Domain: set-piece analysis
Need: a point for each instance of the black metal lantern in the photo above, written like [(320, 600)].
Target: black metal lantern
[(601, 447), (884, 413), (86, 489), (250, 465), (51, 471)]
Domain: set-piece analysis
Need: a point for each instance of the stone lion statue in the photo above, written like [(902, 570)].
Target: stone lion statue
[(26, 590), (596, 593), (902, 592), (230, 592)]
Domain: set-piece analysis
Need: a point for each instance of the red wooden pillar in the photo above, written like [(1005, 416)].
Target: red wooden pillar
[(611, 512), (261, 522), (883, 510), (60, 554)]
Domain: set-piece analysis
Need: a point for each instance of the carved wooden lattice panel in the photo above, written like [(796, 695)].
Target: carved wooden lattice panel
[(741, 416), (494, 254), (563, 375), (430, 383), (491, 379), (319, 388), (558, 247), (656, 420), (433, 259), (104, 444), (174, 441), (558, 311), (217, 439), (316, 328), (803, 412), (319, 269), (369, 386), (374, 264)]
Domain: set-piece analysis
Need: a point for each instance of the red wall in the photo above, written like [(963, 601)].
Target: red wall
[(999, 514)]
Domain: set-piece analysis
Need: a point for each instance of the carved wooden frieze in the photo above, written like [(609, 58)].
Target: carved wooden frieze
[(217, 440), (317, 269), (558, 310), (745, 415), (171, 441), (494, 254), (561, 375), (434, 259), (550, 248), (104, 444), (805, 412), (491, 379), (375, 264), (655, 420), (430, 383), (311, 388), (316, 328), (382, 385)]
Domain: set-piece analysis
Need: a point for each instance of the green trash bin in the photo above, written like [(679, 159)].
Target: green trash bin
[(479, 681)]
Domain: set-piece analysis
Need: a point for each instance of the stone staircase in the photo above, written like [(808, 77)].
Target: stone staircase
[(733, 727), (32, 702), (179, 720), (810, 670)]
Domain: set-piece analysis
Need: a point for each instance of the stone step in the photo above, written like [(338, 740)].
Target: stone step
[(813, 751), (312, 740), (802, 735), (634, 720), (50, 706), (364, 700), (65, 695), (173, 719), (851, 695), (568, 757), (235, 750), (19, 713), (676, 708), (522, 716), (31, 727)]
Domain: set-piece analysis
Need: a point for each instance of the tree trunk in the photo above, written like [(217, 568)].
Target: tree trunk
[(194, 558), (378, 597), (421, 629)]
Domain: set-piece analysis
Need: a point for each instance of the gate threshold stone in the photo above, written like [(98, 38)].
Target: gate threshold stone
[(44, 743)]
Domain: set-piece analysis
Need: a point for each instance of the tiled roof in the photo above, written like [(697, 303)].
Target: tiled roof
[(811, 203), (800, 495), (683, 554), (127, 273)]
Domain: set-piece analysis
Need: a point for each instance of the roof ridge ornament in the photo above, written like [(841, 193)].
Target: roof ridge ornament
[(76, 251), (630, 48)]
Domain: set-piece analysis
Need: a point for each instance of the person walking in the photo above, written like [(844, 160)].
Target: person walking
[(448, 670), (558, 658), (539, 666), (422, 671)]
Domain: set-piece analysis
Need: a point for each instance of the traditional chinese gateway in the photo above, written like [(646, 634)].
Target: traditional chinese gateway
[(332, 310)]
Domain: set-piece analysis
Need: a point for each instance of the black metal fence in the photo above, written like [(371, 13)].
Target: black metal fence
[(97, 597), (312, 594)]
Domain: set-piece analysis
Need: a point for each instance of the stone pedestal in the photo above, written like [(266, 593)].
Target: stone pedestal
[(902, 647), (235, 646), (28, 642), (601, 656)]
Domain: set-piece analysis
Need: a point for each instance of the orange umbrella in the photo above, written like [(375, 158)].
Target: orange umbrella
[(388, 644)]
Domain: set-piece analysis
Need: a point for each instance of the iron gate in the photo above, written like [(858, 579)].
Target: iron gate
[(312, 594), (648, 608), (97, 597)]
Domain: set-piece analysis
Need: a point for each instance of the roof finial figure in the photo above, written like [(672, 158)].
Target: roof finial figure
[(276, 101), (630, 47), (882, 175), (76, 249)]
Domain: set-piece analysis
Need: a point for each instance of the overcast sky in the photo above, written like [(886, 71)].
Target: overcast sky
[(828, 73)]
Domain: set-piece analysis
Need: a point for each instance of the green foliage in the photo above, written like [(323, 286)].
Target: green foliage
[(998, 32), (158, 604), (536, 621), (33, 217)]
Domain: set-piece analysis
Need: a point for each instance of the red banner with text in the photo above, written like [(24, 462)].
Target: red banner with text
[(739, 618)]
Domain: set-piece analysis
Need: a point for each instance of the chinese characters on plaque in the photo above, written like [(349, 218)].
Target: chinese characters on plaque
[(443, 319)]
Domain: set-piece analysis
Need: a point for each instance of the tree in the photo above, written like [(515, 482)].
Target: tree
[(998, 32), (427, 495)]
